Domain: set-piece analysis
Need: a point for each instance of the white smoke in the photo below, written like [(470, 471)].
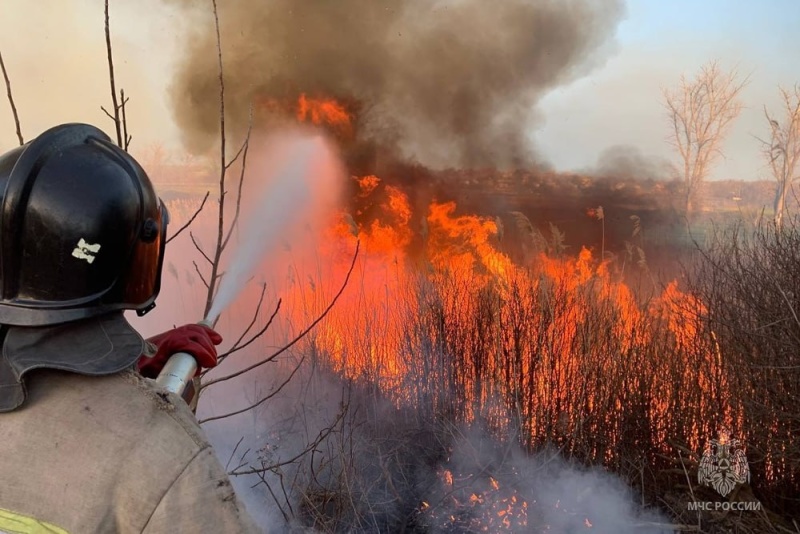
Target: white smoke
[(374, 472), (500, 486), (297, 176)]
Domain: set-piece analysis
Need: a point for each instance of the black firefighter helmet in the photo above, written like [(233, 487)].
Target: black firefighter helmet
[(82, 232)]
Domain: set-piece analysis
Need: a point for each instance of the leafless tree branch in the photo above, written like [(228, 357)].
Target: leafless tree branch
[(262, 400), (701, 112), (218, 249), (11, 100), (245, 144), (255, 336), (321, 436), (233, 452), (126, 139), (116, 117), (235, 346), (243, 151), (199, 249), (781, 149), (197, 270), (109, 115), (191, 220), (238, 345)]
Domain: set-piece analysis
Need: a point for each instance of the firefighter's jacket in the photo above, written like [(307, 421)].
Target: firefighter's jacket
[(110, 454)]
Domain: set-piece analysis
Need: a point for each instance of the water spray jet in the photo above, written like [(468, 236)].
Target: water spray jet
[(283, 204)]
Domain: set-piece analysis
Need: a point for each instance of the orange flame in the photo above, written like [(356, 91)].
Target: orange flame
[(366, 334), (324, 112), (436, 311)]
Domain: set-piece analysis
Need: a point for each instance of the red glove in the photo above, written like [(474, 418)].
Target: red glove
[(195, 339)]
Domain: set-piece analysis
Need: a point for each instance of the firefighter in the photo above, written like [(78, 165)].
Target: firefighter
[(87, 444)]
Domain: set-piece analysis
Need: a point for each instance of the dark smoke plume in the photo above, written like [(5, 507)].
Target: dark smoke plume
[(443, 83)]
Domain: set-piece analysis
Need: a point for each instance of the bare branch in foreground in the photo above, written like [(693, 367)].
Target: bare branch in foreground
[(253, 320), (191, 220), (233, 452), (218, 249), (237, 347), (323, 434), (115, 118), (126, 139), (109, 115), (199, 248), (245, 148), (260, 401), (238, 344), (197, 269), (11, 100)]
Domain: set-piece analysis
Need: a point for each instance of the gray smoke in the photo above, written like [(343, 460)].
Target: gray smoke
[(379, 473), (498, 487), (628, 163), (444, 83)]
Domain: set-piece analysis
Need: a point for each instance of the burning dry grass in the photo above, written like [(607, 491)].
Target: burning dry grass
[(560, 353), (557, 353)]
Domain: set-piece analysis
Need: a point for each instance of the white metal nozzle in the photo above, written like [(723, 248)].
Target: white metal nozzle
[(179, 371)]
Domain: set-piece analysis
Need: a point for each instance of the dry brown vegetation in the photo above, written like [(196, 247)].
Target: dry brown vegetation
[(564, 355)]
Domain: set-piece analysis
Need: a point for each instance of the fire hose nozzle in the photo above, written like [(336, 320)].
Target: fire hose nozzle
[(177, 374)]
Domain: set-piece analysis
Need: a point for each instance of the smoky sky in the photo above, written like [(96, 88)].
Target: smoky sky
[(444, 83)]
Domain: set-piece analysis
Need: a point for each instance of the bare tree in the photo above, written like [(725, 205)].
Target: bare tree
[(701, 111), (782, 148), (119, 118), (11, 100)]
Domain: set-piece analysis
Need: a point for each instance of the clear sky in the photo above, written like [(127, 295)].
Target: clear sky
[(55, 53)]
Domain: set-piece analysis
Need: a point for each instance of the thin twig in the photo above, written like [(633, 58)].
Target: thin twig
[(11, 100), (245, 148), (324, 433), (253, 320), (191, 220), (126, 139), (111, 80), (199, 249), (237, 345), (244, 144), (197, 269), (260, 401), (221, 219), (257, 334), (109, 115), (233, 452)]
